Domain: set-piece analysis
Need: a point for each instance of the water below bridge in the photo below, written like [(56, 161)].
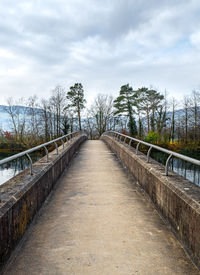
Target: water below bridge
[(97, 221)]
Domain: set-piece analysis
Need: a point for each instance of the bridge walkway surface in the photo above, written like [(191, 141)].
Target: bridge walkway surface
[(97, 221)]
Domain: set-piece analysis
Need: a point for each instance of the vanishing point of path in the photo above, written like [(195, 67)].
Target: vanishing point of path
[(98, 222)]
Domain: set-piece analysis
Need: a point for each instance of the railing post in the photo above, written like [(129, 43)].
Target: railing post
[(47, 153), (63, 143), (124, 140), (56, 147), (31, 163), (148, 153), (137, 148), (130, 143), (167, 165)]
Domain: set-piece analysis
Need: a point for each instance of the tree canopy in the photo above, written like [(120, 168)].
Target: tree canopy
[(76, 99), (124, 104)]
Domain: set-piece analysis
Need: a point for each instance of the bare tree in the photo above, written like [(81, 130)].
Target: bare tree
[(102, 111), (34, 116), (46, 118), (11, 110), (186, 104), (90, 125), (57, 102), (17, 112), (174, 105)]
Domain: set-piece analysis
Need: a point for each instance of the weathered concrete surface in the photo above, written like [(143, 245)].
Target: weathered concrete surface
[(22, 196), (177, 199), (97, 221)]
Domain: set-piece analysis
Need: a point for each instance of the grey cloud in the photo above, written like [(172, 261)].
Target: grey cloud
[(100, 43)]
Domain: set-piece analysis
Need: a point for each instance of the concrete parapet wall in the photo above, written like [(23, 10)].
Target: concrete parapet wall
[(23, 195), (177, 199)]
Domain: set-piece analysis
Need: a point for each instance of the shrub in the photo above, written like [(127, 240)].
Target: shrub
[(152, 137)]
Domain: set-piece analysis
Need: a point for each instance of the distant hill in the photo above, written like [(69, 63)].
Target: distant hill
[(5, 122), (4, 119)]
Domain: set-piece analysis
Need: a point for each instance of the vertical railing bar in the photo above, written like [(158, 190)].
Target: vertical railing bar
[(130, 143), (47, 153), (185, 169), (148, 153), (137, 148), (31, 163), (63, 143), (56, 147), (167, 165)]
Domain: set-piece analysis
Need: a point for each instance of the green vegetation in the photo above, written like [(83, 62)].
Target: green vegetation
[(144, 113), (124, 104), (76, 100)]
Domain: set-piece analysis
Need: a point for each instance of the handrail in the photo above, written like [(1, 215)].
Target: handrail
[(27, 152), (169, 152)]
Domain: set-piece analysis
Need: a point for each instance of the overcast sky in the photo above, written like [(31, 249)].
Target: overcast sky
[(101, 43)]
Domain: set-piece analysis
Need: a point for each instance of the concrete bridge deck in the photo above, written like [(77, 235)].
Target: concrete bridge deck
[(98, 222)]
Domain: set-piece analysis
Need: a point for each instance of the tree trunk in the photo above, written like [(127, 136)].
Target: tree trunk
[(186, 125), (79, 118), (148, 120)]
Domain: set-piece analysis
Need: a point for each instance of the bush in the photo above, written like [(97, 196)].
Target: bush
[(152, 137)]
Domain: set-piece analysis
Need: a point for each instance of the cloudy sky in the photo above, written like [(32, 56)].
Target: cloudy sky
[(101, 43)]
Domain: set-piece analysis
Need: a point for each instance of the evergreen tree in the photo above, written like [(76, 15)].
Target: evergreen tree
[(76, 100), (65, 125), (148, 101), (124, 104)]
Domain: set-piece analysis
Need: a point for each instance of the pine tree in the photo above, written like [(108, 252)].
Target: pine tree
[(76, 100), (124, 104), (148, 101)]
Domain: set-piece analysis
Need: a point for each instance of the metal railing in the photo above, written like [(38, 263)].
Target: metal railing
[(171, 154), (26, 153)]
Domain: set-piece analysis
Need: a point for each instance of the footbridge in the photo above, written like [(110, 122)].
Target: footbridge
[(99, 207)]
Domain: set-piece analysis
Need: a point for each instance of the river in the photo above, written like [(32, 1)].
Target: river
[(9, 170), (183, 168)]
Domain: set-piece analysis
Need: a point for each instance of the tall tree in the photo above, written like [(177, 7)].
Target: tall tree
[(156, 101), (124, 104), (57, 102), (34, 114), (101, 112), (186, 103), (172, 130), (143, 104), (149, 101), (18, 114), (46, 118), (161, 119), (76, 100)]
